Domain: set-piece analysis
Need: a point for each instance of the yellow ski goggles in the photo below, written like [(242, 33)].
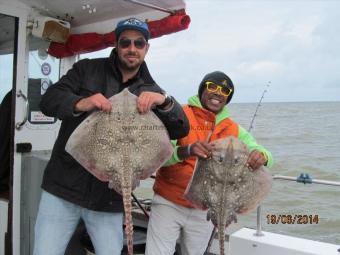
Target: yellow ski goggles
[(213, 87)]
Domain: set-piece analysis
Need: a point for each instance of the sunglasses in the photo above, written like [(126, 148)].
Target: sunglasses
[(126, 42), (213, 87)]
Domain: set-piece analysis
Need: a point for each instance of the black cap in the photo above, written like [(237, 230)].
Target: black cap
[(219, 78)]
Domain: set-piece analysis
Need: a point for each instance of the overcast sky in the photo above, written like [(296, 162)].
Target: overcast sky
[(294, 44)]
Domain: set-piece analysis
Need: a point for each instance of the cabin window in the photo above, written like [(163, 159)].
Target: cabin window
[(6, 74)]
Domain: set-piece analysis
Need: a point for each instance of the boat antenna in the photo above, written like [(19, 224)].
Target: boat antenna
[(258, 106)]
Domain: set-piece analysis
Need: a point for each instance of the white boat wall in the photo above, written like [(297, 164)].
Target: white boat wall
[(245, 241)]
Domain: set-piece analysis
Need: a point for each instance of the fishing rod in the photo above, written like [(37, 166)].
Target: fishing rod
[(258, 210), (140, 205), (257, 107)]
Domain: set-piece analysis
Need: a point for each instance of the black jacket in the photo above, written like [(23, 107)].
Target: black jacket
[(66, 178)]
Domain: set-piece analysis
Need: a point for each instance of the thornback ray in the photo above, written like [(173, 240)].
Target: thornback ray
[(121, 147), (225, 186)]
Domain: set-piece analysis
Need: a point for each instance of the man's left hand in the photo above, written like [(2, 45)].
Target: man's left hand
[(148, 100), (255, 160)]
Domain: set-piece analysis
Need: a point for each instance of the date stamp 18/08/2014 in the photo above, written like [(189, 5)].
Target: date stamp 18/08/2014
[(292, 219)]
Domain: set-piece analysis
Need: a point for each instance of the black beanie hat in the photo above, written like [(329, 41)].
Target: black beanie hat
[(219, 78)]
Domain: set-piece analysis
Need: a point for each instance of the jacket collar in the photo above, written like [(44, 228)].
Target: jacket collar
[(223, 114)]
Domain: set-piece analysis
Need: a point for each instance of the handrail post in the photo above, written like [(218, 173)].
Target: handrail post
[(259, 222)]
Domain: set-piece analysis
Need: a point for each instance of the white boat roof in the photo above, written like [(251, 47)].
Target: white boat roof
[(85, 16), (106, 11)]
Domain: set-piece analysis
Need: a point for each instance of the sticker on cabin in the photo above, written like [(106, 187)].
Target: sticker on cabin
[(45, 83), (38, 116), (46, 68)]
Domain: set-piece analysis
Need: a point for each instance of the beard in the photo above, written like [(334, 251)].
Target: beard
[(125, 64)]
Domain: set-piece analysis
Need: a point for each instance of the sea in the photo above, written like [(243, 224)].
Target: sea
[(304, 137)]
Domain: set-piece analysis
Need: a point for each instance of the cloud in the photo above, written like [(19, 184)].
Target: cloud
[(293, 44), (260, 67)]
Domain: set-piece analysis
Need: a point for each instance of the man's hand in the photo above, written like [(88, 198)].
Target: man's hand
[(201, 149), (148, 100), (255, 160), (96, 101)]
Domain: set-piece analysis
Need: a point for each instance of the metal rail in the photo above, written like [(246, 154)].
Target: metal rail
[(303, 178), (306, 179), (19, 125)]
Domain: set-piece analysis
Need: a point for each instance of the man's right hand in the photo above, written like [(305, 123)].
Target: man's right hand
[(96, 101), (201, 149)]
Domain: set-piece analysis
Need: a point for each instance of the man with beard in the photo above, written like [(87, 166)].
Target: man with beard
[(209, 120), (69, 191)]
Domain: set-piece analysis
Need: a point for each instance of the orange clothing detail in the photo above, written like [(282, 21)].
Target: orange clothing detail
[(171, 181)]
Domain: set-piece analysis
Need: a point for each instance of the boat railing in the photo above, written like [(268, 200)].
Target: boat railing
[(304, 178)]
